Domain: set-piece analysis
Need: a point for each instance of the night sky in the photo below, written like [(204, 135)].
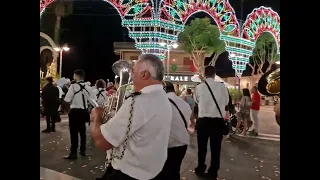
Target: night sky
[(95, 25)]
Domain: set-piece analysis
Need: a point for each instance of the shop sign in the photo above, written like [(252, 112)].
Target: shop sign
[(178, 78)]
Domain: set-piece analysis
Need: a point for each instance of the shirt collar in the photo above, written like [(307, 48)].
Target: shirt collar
[(151, 88), (171, 94), (210, 79)]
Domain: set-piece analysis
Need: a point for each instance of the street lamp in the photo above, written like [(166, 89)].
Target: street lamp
[(58, 49), (169, 47)]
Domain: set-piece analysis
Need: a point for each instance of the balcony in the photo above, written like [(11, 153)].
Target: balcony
[(183, 69)]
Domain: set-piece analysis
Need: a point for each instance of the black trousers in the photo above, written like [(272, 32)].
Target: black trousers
[(210, 128), (51, 124), (171, 169), (51, 113), (77, 126)]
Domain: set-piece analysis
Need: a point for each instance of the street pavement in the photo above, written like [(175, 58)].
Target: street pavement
[(268, 124), (241, 158)]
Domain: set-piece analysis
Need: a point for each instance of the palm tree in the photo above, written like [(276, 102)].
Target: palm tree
[(62, 8)]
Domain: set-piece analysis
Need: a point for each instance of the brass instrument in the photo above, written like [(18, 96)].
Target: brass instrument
[(269, 83), (121, 68), (273, 86)]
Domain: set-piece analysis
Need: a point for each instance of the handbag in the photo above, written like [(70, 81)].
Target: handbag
[(226, 125)]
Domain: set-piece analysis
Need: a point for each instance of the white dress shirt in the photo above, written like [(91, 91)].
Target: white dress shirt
[(207, 106), (179, 136), (102, 97), (76, 99), (146, 151), (61, 93)]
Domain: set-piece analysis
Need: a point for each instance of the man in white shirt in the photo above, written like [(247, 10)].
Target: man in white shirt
[(210, 123), (179, 136), (77, 95), (61, 93), (100, 91), (139, 132)]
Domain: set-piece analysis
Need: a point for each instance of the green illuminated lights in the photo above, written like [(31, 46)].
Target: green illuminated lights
[(152, 23), (150, 46), (242, 59), (152, 34), (237, 40), (238, 50)]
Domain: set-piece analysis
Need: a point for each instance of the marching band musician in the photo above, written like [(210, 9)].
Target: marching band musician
[(100, 92), (139, 132), (78, 115), (179, 139)]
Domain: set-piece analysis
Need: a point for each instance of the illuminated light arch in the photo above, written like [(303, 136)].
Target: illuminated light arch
[(262, 19), (124, 7), (44, 4), (221, 12)]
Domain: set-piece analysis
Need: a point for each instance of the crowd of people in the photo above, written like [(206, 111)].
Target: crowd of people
[(147, 140)]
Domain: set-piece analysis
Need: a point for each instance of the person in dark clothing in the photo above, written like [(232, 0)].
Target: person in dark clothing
[(50, 101)]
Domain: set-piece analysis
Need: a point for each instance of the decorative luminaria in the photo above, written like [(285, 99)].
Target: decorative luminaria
[(155, 22), (260, 20)]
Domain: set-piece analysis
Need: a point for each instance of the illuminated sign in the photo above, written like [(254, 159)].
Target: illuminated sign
[(178, 78)]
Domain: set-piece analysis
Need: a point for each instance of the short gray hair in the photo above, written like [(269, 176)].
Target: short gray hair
[(154, 65)]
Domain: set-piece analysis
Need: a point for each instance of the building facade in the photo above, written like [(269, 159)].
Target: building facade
[(180, 63), (245, 81)]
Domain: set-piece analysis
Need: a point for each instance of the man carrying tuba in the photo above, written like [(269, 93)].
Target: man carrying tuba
[(139, 133)]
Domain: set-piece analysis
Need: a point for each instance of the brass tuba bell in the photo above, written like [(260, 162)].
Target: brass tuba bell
[(273, 86), (269, 83), (122, 68)]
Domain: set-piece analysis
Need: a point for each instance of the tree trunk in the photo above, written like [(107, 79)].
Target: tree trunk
[(269, 67), (253, 68), (57, 30)]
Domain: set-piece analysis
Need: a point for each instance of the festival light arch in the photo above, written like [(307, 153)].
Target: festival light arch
[(262, 19), (151, 24), (139, 17), (220, 11)]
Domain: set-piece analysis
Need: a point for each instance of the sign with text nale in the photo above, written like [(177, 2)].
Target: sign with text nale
[(177, 78)]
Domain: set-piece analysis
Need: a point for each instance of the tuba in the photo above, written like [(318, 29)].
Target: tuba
[(121, 68), (269, 85)]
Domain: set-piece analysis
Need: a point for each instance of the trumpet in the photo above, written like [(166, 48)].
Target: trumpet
[(121, 68)]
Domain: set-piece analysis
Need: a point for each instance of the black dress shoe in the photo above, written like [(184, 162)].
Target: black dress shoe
[(200, 170), (53, 130), (210, 176), (46, 131), (70, 156), (83, 153)]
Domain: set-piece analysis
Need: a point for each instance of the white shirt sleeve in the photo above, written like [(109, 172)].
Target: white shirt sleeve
[(92, 94), (226, 94), (114, 131), (70, 94), (196, 95)]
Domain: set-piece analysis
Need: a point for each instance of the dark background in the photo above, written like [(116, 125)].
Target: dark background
[(94, 25)]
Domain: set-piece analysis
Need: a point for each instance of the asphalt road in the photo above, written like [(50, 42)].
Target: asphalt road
[(241, 158)]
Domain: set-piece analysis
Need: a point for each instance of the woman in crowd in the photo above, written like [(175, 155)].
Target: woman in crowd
[(244, 113)]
